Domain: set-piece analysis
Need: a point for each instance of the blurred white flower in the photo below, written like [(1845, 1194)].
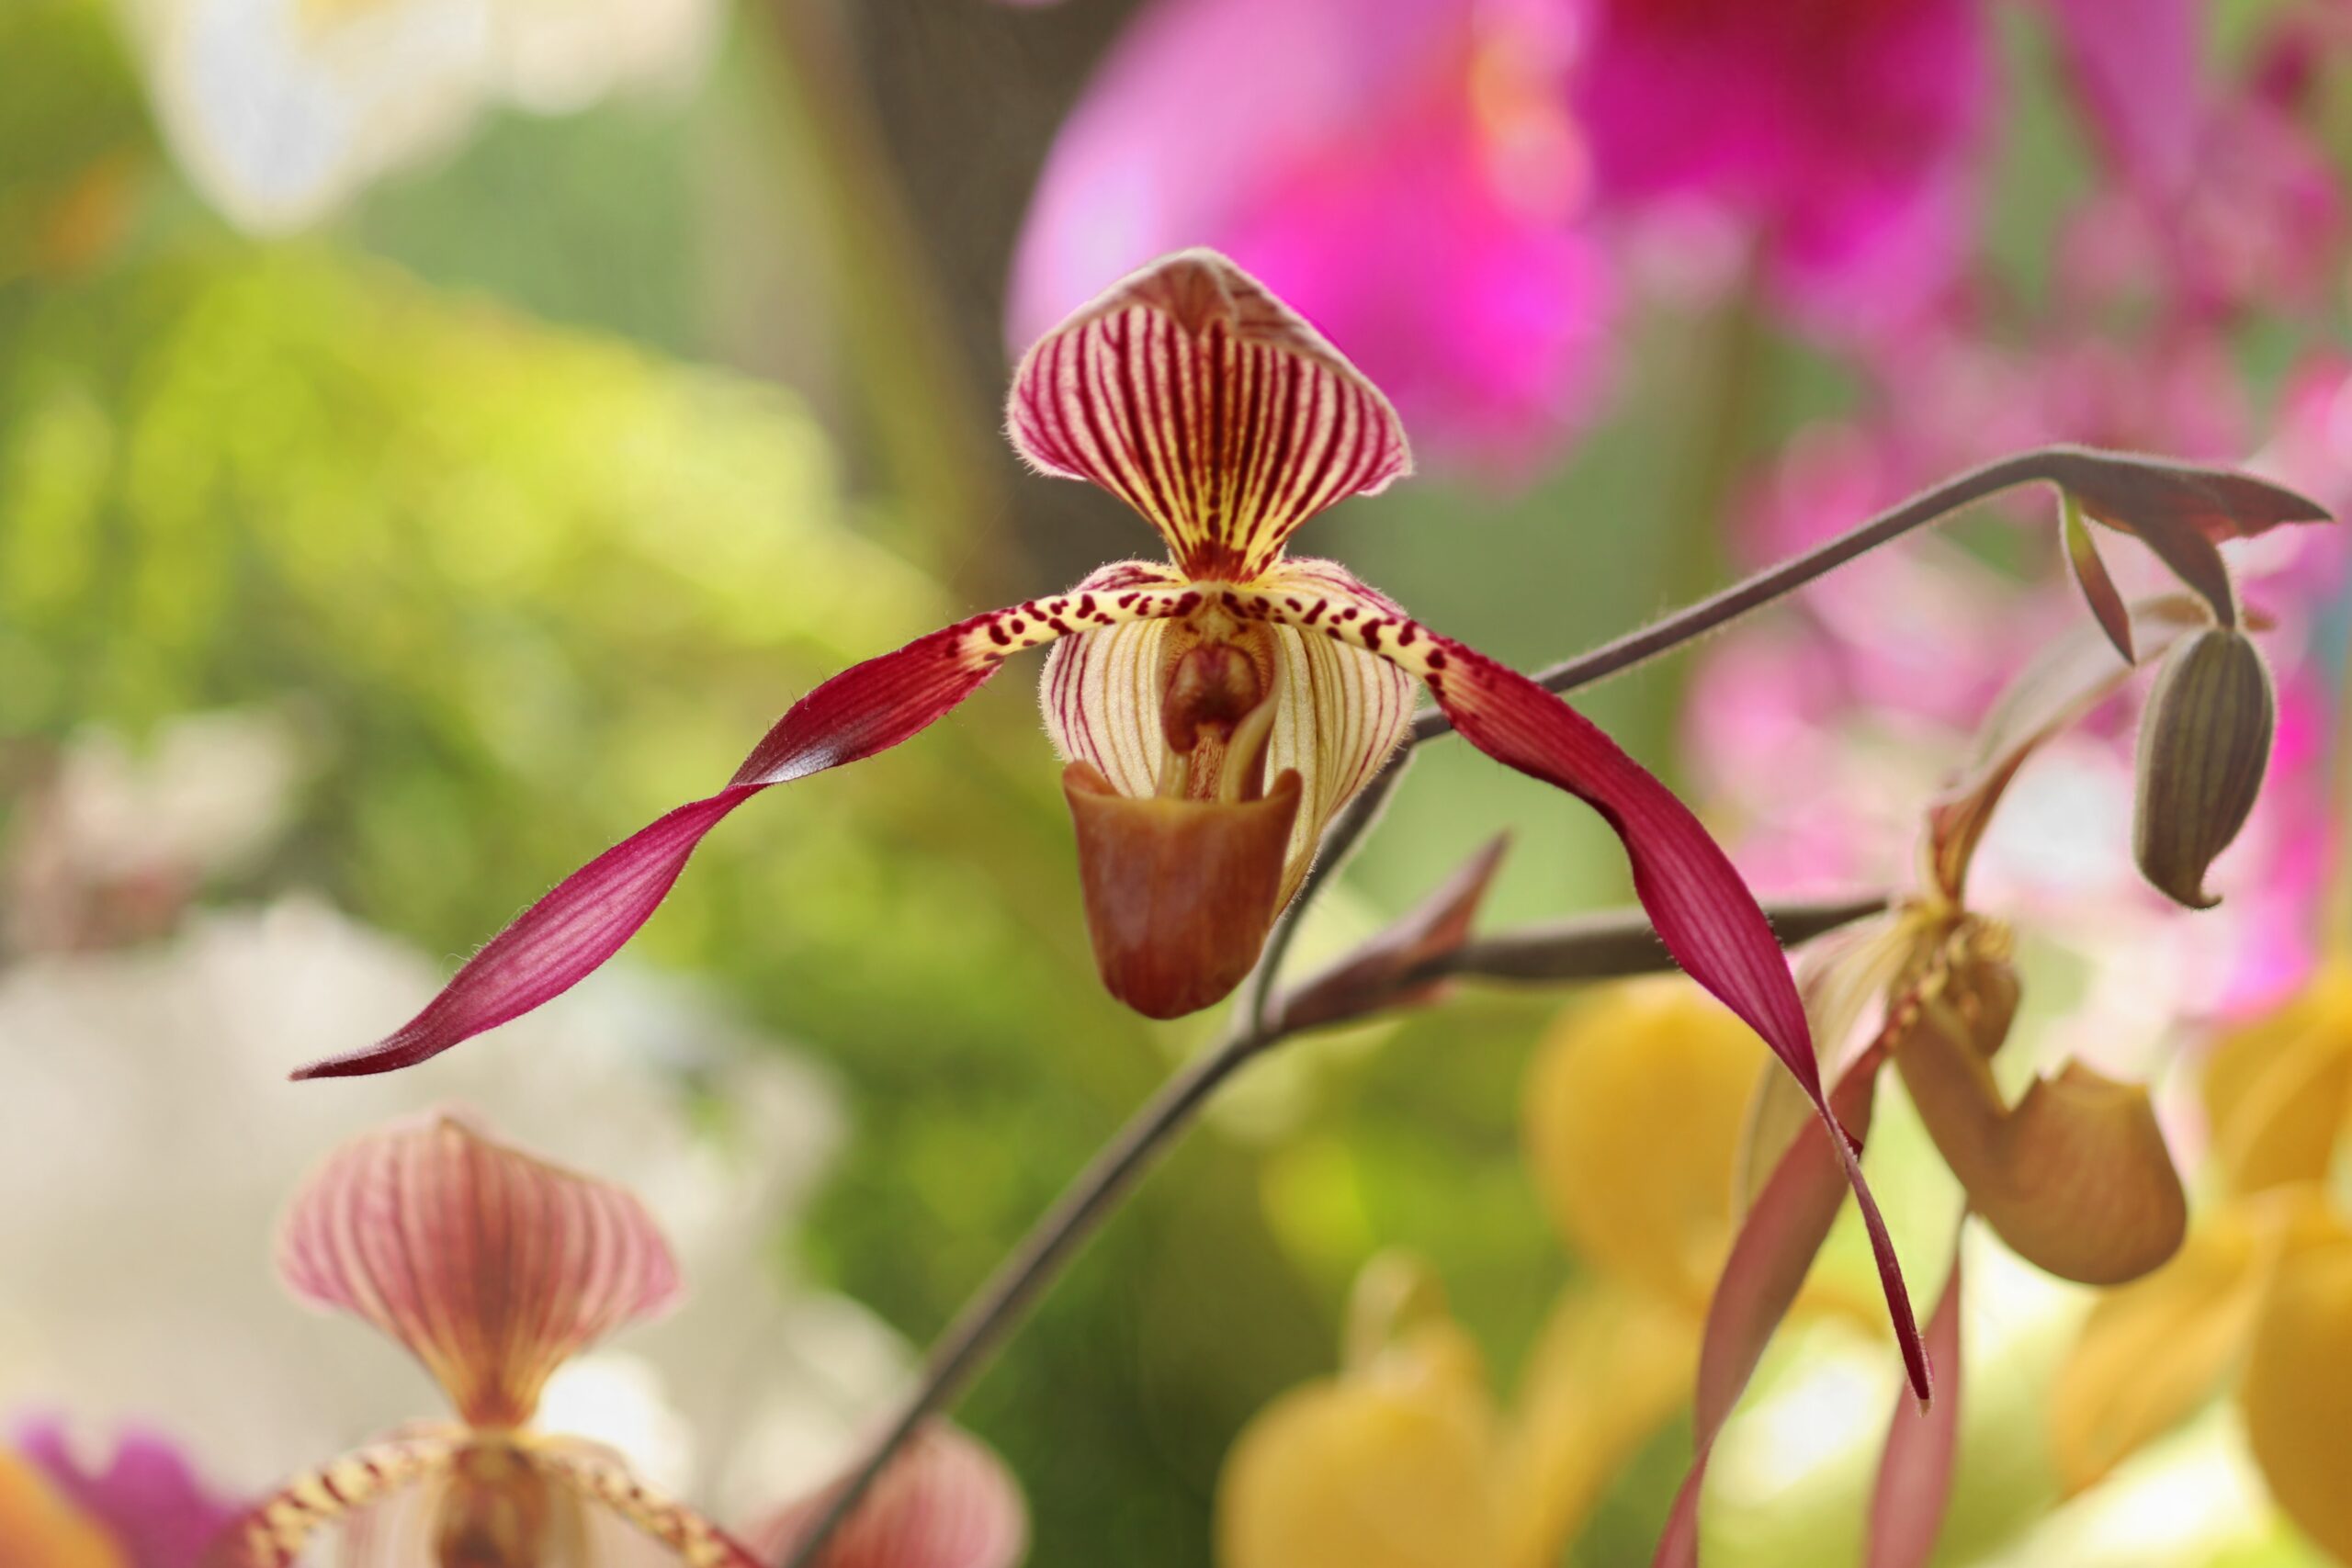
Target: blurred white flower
[(282, 110), (149, 1140), (108, 842)]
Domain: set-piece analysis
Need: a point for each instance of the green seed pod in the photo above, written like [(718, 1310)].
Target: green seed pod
[(2204, 742)]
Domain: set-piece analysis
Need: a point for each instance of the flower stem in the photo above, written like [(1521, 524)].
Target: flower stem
[(1591, 947), (1721, 609)]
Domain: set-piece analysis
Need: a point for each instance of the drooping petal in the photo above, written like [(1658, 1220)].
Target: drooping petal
[(1339, 713), (402, 1475), (2154, 1350), (1776, 1242), (490, 1265), (1915, 1473), (1704, 912), (2298, 1386), (947, 1501), (870, 708), (1208, 405), (1638, 1056)]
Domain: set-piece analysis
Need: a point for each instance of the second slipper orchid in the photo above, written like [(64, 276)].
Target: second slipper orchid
[(1217, 708)]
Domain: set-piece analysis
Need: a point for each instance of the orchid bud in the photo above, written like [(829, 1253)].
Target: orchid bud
[(2204, 742), (2076, 1179), (1179, 893)]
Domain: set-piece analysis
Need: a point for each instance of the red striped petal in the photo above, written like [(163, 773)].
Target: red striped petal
[(490, 1265), (1782, 1231), (566, 936), (1208, 405), (1704, 912), (945, 1502), (1922, 1447)]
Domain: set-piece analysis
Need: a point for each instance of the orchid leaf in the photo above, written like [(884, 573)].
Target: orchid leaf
[(1776, 1242)]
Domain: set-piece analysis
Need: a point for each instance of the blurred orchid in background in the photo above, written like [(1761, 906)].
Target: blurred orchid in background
[(492, 1269), (1405, 175), (280, 110), (2260, 1300), (1828, 142), (143, 1506)]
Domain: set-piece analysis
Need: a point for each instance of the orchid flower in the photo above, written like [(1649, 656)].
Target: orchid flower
[(1217, 709), (492, 1269)]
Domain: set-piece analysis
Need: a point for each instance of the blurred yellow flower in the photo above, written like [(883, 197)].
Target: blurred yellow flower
[(1632, 1117), (40, 1529), (2262, 1290)]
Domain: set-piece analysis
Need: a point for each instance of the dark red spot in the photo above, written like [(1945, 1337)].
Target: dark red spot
[(1347, 614), (998, 634), (1086, 606), (1406, 632), (1372, 634), (1436, 660), (1127, 601)]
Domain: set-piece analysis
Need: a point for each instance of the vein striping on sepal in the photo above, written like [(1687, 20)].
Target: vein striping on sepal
[(1205, 403), (275, 1534)]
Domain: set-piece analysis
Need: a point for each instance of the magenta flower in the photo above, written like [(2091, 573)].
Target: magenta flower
[(149, 1502), (1217, 709), (1404, 173), (1837, 133)]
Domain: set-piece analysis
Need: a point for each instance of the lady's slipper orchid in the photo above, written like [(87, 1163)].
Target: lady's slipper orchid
[(1217, 709), (492, 1269)]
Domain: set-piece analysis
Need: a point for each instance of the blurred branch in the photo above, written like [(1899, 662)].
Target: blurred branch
[(917, 396), (1596, 947), (2043, 465)]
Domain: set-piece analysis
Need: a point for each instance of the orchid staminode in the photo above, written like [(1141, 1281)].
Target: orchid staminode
[(1216, 709)]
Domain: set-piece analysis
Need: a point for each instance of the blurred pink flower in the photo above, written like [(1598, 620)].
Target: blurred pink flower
[(1405, 171), (1837, 133), (145, 1496), (2224, 199)]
